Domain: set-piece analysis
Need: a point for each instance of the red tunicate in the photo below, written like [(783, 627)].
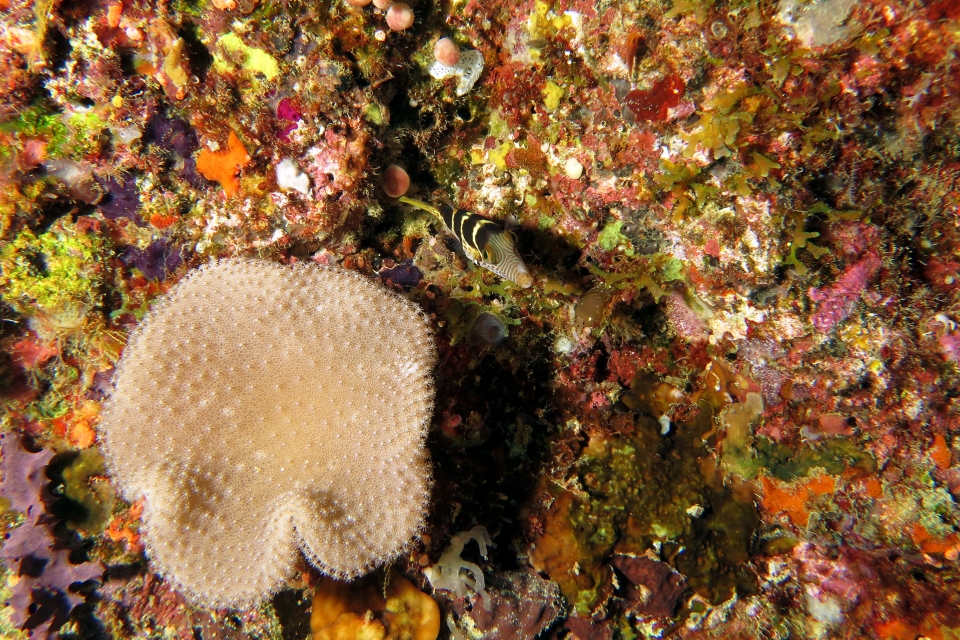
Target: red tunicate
[(655, 103), (395, 181)]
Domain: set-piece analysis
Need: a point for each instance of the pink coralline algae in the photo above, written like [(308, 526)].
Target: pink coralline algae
[(685, 320), (950, 345), (837, 300)]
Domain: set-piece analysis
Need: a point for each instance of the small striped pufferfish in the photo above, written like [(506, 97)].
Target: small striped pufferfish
[(484, 241)]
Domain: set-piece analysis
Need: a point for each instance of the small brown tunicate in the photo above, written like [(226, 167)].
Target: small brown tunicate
[(592, 308), (395, 181)]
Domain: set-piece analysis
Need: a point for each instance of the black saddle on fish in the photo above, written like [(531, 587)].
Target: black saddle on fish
[(484, 241)]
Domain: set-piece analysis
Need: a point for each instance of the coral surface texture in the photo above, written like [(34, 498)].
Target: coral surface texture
[(260, 375)]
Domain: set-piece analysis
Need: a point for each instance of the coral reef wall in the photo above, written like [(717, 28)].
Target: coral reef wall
[(729, 405)]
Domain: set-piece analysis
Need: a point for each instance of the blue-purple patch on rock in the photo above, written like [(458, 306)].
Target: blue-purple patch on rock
[(121, 201), (154, 262), (23, 475), (177, 137), (45, 593), (404, 274), (172, 134)]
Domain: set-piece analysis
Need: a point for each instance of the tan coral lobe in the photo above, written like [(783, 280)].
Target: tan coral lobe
[(259, 408)]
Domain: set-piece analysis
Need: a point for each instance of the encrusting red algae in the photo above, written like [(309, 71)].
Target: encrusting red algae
[(725, 404)]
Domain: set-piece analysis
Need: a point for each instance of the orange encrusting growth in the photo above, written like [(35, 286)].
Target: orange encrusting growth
[(119, 528), (929, 543), (940, 452), (114, 10), (359, 611), (77, 426), (793, 500), (872, 487), (162, 221), (223, 166), (899, 630)]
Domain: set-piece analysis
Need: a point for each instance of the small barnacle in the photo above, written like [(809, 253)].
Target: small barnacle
[(489, 330)]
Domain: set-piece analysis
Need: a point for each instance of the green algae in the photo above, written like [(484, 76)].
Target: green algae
[(800, 239), (673, 270), (834, 456), (738, 439), (84, 128), (635, 279), (250, 58), (552, 94), (36, 122), (88, 503), (650, 491), (64, 135), (375, 114), (193, 8), (57, 274), (50, 405), (610, 236), (545, 222)]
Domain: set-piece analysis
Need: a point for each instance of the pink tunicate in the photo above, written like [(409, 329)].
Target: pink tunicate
[(685, 320), (950, 345), (382, 4), (838, 300), (395, 181), (446, 52), (286, 110), (358, 3), (399, 16)]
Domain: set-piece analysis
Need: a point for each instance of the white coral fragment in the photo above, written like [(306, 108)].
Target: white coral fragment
[(451, 571), (468, 70)]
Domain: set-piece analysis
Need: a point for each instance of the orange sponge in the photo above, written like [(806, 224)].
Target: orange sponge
[(365, 610), (223, 166)]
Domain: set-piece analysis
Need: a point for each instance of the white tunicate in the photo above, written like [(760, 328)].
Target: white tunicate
[(573, 168), (664, 421), (289, 177), (468, 70), (128, 134)]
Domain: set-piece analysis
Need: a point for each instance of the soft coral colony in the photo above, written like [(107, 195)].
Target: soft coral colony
[(727, 407)]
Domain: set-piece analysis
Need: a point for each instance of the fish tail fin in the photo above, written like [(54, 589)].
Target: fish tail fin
[(419, 204)]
